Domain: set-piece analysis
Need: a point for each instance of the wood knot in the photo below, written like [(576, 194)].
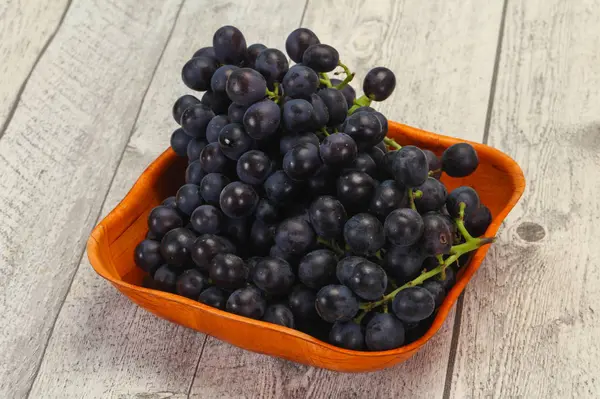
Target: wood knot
[(531, 232)]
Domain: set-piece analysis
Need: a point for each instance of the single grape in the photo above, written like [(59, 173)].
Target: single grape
[(403, 227), (228, 271), (194, 173), (300, 82), (321, 58), (410, 167), (254, 167), (218, 102), (212, 159), (267, 212), (437, 234), (294, 236), (188, 198), (213, 296), (478, 220), (364, 234), (345, 268), (273, 275), (413, 304), (238, 229), (165, 278), (327, 216), (463, 194), (317, 268), (207, 219), (197, 73), (234, 141), (253, 52), (279, 314), (379, 83), (378, 156), (437, 289), (384, 332), (238, 200), (362, 163), (388, 196), (162, 219), (206, 52), (388, 162), (302, 161), (336, 303), (171, 202), (262, 237), (289, 141), (298, 41), (211, 186), (175, 246), (191, 283), (214, 127), (321, 114), (365, 128), (147, 256), (322, 182), (368, 280), (348, 92), (229, 45), (272, 64), (338, 150), (236, 113), (460, 160), (355, 190), (205, 248), (279, 188), (301, 301), (195, 147), (262, 119), (246, 86), (248, 302), (195, 119), (435, 164), (403, 264), (348, 335), (179, 142), (433, 195), (336, 105), (298, 115), (220, 76)]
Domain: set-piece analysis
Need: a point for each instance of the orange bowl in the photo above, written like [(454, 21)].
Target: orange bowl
[(498, 180)]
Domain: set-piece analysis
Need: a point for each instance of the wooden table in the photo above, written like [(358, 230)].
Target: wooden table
[(86, 89)]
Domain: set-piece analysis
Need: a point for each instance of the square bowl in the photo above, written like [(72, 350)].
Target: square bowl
[(498, 180)]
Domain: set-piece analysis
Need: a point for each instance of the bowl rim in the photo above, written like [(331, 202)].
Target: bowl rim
[(99, 239)]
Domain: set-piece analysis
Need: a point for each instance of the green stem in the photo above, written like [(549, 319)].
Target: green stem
[(360, 316), (460, 223), (324, 131), (362, 101), (391, 143), (348, 79), (385, 307), (411, 199), (378, 255)]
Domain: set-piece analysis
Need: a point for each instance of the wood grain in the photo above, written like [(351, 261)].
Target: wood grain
[(443, 71), (26, 27), (57, 158), (530, 323), (121, 351)]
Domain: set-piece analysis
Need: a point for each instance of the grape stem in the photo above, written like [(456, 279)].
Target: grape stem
[(391, 143), (325, 132), (274, 95), (332, 245), (362, 101), (348, 79), (412, 195)]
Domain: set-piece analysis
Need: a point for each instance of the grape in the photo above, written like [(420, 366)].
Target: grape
[(302, 161), (413, 304), (188, 198), (347, 91), (388, 196), (437, 289), (298, 41), (245, 86), (336, 303), (381, 145), (365, 128), (294, 236), (236, 113), (195, 119), (266, 212), (321, 58), (345, 268), (478, 220), (273, 275), (388, 162), (327, 216), (194, 173), (206, 247), (218, 102), (191, 283), (212, 159), (219, 78), (272, 64), (362, 163), (197, 72), (234, 141), (317, 268), (364, 233), (213, 296), (206, 52), (253, 52), (338, 150), (336, 105), (171, 202), (279, 188), (379, 83), (175, 246), (403, 227), (229, 45), (228, 271), (211, 186), (378, 156), (279, 314), (261, 237), (195, 147), (323, 182), (368, 280), (301, 301), (238, 230), (162, 219), (298, 115), (355, 189), (300, 82), (463, 194), (460, 160), (262, 119), (404, 264), (147, 256), (410, 166), (253, 167), (248, 302), (433, 197), (384, 332), (165, 278), (417, 330), (179, 142), (238, 200), (321, 114), (437, 234), (348, 335), (207, 219), (214, 127), (289, 141), (435, 164), (183, 103)]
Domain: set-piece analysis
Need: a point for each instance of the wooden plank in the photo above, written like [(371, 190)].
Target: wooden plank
[(25, 29), (530, 323), (101, 345), (57, 158), (444, 71)]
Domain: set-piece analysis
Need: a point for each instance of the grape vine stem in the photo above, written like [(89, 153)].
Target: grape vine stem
[(362, 101), (348, 79), (392, 143)]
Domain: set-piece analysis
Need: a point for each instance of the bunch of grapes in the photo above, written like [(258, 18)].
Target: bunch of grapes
[(297, 209)]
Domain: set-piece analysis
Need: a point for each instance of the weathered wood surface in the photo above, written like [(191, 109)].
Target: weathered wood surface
[(530, 323), (57, 158)]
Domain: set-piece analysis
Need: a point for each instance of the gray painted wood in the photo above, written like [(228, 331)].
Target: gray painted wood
[(444, 72), (25, 30), (530, 323), (57, 158)]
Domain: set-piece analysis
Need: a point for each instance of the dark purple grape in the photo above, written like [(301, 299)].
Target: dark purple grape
[(338, 150), (246, 86), (437, 289), (321, 58), (229, 45), (147, 256), (205, 248), (328, 217), (463, 194), (362, 163), (198, 71), (162, 219), (218, 81), (238, 229), (175, 246), (191, 283), (410, 166), (302, 161), (211, 186), (248, 302), (336, 104), (194, 173), (403, 264), (298, 115), (301, 301), (273, 275), (294, 236), (236, 113), (206, 52), (384, 332), (213, 296), (321, 114), (171, 202), (364, 233), (218, 102), (194, 148), (188, 198), (279, 314), (435, 164), (300, 82), (323, 182), (348, 335), (267, 212), (413, 304), (298, 41), (379, 83), (289, 141), (355, 190), (183, 103), (262, 119), (253, 52), (478, 220), (403, 227), (207, 219), (262, 237), (368, 280), (365, 128), (212, 159), (437, 234), (253, 167), (336, 303), (272, 64), (214, 127), (345, 268), (234, 141), (195, 119), (279, 188), (433, 195), (460, 160), (228, 271), (317, 268), (388, 196), (165, 278), (179, 142), (238, 200)]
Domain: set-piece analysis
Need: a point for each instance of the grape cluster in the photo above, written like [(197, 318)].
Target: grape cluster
[(297, 209)]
